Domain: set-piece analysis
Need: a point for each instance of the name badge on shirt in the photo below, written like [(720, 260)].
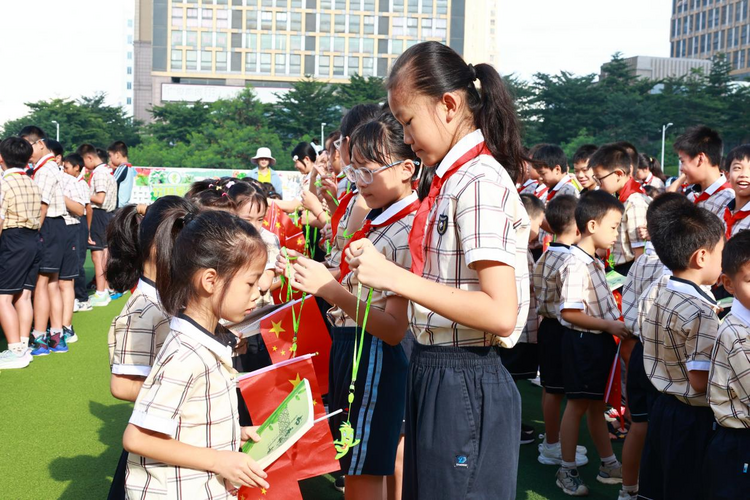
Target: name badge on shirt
[(442, 225)]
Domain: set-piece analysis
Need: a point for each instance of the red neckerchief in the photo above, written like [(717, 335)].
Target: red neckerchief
[(704, 195), (730, 219), (92, 172), (526, 184), (417, 234), (541, 191), (552, 193), (648, 179), (339, 212), (370, 225), (630, 188), (41, 164)]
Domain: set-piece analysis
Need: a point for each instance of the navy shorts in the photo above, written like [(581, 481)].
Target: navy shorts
[(69, 264), (641, 392), (726, 464), (522, 361), (675, 449), (20, 254), (379, 397), (588, 361), (463, 425), (549, 340), (54, 238), (98, 234)]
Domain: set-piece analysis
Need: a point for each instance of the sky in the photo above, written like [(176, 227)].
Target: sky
[(74, 48)]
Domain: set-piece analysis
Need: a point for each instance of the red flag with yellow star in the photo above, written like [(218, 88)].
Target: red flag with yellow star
[(263, 391), (278, 222), (281, 481), (278, 334)]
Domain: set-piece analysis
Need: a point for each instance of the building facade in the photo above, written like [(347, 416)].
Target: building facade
[(208, 49), (703, 28), (659, 68)]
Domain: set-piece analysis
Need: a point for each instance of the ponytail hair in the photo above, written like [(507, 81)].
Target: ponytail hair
[(169, 224), (433, 69), (124, 265)]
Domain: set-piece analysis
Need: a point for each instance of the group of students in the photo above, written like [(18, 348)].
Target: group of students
[(52, 209)]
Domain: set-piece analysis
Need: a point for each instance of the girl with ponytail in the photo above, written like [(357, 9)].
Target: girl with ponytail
[(469, 285)]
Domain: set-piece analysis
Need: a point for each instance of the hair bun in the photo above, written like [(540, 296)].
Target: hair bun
[(473, 72), (188, 218)]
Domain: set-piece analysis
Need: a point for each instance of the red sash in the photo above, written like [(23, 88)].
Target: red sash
[(704, 195), (541, 191), (43, 163), (417, 234), (339, 213), (730, 219), (630, 188), (552, 193), (526, 185)]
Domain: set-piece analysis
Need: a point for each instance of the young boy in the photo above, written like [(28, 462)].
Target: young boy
[(20, 212), (560, 217), (589, 315), (124, 172), (613, 171), (581, 167), (737, 211), (103, 197), (552, 166), (678, 334), (48, 304), (729, 381), (73, 165), (699, 150)]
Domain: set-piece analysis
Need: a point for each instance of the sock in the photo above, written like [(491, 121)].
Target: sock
[(611, 460), (551, 446), (25, 342), (37, 334), (630, 489), (101, 294), (69, 327), (17, 348), (569, 465)]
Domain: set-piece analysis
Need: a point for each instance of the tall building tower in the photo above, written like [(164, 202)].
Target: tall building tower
[(208, 49), (702, 28)]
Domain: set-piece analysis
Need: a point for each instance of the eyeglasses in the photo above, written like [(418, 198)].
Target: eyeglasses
[(33, 143), (337, 143), (600, 179), (365, 176)]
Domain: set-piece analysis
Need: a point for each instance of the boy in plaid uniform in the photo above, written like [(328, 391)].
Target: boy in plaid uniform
[(552, 166), (737, 212), (728, 394), (589, 315), (75, 202), (73, 166), (678, 334), (20, 211)]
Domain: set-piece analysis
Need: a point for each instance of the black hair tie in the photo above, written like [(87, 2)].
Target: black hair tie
[(473, 72), (188, 218)]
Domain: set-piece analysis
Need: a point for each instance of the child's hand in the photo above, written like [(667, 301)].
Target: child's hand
[(369, 266), (311, 202), (238, 468), (265, 281), (327, 232), (282, 261), (91, 242), (312, 277), (249, 434), (643, 233), (618, 329)]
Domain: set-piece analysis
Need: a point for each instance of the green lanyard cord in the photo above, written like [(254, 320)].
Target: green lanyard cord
[(296, 316)]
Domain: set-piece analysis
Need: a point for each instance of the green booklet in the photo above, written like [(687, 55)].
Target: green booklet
[(286, 425), (726, 302), (615, 280)]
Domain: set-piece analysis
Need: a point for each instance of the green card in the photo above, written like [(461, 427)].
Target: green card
[(615, 280), (726, 302)]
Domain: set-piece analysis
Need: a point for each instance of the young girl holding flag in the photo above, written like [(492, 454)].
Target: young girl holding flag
[(469, 292)]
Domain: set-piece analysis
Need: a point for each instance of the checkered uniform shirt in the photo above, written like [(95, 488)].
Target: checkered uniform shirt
[(740, 225), (565, 186), (531, 330), (21, 205), (71, 191), (529, 187), (477, 216), (547, 280), (729, 378), (646, 269), (678, 334), (628, 238), (190, 395), (102, 181), (718, 201), (137, 334), (83, 191), (393, 242), (50, 181), (339, 242)]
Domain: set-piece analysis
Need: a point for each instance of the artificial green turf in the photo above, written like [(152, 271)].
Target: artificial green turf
[(61, 430)]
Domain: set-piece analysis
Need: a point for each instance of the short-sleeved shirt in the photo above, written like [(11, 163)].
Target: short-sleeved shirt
[(477, 216), (21, 205), (654, 181), (742, 224), (531, 330), (83, 191), (392, 241), (102, 181), (678, 335), (137, 334), (547, 280), (339, 242), (584, 288), (190, 395), (628, 238), (565, 186), (528, 187), (729, 378), (49, 178), (718, 199), (646, 269), (71, 191)]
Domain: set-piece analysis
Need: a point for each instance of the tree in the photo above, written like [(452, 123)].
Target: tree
[(362, 89)]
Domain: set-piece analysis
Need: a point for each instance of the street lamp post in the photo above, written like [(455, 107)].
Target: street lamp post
[(57, 135), (322, 131), (663, 135)]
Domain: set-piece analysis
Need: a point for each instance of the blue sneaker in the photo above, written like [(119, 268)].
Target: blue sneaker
[(57, 343), (114, 295), (40, 347), (69, 334)]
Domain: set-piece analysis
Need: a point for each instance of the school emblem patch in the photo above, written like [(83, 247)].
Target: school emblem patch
[(442, 225)]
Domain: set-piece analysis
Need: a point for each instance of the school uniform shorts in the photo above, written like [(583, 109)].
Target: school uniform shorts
[(675, 449), (377, 411), (587, 361), (641, 392), (54, 239), (549, 339), (99, 221), (69, 264), (727, 464), (463, 425), (20, 255), (81, 248), (522, 361)]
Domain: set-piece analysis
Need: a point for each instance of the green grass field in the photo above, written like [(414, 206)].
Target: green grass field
[(61, 429)]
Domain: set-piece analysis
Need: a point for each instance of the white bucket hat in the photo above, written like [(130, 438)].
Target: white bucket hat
[(263, 153)]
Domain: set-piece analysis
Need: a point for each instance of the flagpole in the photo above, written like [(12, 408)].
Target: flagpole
[(326, 417)]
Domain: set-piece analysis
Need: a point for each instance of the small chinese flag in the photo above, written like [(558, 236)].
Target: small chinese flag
[(282, 294), (613, 395), (279, 223), (263, 391), (277, 330), (282, 482)]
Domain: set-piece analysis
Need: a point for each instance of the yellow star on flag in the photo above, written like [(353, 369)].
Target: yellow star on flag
[(314, 402), (278, 224), (300, 241), (265, 223), (263, 491), (283, 353), (295, 382), (276, 328), (275, 348)]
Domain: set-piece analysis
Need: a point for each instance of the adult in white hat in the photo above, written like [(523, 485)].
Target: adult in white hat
[(263, 172)]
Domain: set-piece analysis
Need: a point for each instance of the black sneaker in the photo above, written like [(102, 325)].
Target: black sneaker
[(339, 484), (527, 434)]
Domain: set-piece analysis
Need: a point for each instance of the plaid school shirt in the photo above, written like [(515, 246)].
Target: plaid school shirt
[(137, 334), (646, 269), (190, 395), (393, 242), (678, 334), (531, 330), (584, 287), (628, 238), (333, 260), (477, 216), (729, 378), (21, 205), (565, 186), (717, 202), (102, 181), (72, 192), (50, 181), (740, 225), (547, 280), (83, 190)]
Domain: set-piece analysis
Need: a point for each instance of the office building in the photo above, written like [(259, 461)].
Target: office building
[(659, 68)]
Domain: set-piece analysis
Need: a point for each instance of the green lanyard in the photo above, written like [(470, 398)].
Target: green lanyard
[(296, 316)]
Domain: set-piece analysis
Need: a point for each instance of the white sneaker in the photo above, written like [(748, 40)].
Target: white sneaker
[(82, 306), (624, 495), (580, 450), (9, 360), (552, 455), (100, 300)]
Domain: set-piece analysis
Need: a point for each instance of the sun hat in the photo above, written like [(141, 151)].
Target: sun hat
[(263, 153)]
